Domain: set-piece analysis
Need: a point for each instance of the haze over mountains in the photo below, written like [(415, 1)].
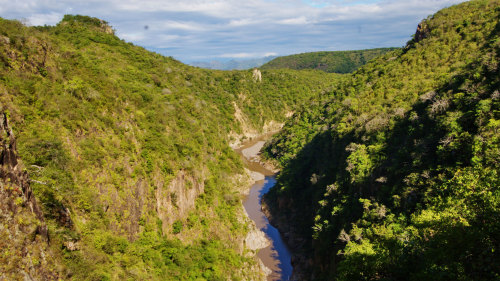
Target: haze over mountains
[(232, 64), (328, 61)]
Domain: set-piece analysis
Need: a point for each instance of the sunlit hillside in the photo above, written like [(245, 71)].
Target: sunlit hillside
[(394, 173)]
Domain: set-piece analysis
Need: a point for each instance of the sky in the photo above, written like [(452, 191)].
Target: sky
[(203, 30)]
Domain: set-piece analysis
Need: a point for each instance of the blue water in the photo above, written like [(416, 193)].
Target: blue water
[(277, 256), (278, 245)]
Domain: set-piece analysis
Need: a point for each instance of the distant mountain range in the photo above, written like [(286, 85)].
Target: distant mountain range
[(232, 64), (328, 61)]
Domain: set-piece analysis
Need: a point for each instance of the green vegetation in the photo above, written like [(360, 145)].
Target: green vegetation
[(394, 173), (129, 150), (390, 173), (332, 62)]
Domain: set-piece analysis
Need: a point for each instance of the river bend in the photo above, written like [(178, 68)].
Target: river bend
[(276, 256)]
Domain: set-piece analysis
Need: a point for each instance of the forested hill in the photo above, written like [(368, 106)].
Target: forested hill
[(128, 154), (332, 62), (394, 173)]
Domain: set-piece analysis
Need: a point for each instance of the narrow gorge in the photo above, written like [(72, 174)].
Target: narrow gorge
[(118, 163), (272, 250)]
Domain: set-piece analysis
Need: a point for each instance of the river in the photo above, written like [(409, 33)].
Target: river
[(276, 256)]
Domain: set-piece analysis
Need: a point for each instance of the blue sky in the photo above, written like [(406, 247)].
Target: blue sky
[(202, 30)]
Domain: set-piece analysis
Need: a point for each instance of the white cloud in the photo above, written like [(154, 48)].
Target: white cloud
[(133, 36), (270, 54), (294, 21), (247, 55), (242, 29), (189, 26), (241, 22), (238, 55), (44, 19)]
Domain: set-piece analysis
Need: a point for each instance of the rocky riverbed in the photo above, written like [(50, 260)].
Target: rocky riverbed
[(264, 238)]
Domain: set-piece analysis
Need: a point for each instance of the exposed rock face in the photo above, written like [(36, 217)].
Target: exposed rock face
[(24, 252), (423, 31), (256, 176), (257, 75), (106, 28), (256, 240), (249, 132), (177, 199), (4, 40), (11, 173), (114, 205), (39, 60)]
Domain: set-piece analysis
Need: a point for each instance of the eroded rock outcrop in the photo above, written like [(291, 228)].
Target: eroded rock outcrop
[(257, 75), (248, 131), (174, 201), (14, 179), (423, 31), (24, 243)]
